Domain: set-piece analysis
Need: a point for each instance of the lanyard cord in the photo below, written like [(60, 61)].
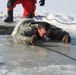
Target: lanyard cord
[(57, 52)]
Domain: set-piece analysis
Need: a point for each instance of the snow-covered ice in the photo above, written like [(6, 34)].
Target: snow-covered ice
[(21, 60)]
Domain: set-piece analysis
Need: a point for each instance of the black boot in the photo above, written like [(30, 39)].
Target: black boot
[(10, 16)]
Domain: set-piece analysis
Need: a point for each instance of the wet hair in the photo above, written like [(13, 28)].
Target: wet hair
[(44, 25)]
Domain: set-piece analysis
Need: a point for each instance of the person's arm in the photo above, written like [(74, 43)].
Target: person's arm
[(61, 35), (66, 37), (21, 39), (26, 36)]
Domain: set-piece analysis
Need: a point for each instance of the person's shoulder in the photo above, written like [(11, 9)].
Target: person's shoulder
[(53, 27)]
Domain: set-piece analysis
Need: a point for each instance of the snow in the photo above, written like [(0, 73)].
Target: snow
[(66, 22), (51, 69)]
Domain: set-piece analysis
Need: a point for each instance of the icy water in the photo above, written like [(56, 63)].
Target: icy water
[(49, 58)]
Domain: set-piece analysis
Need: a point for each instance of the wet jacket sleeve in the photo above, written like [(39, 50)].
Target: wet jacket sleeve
[(23, 36), (58, 34)]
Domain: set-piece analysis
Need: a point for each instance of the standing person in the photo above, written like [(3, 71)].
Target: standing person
[(29, 31), (28, 5)]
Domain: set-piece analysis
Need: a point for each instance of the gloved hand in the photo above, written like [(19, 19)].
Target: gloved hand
[(33, 39), (66, 39), (42, 2)]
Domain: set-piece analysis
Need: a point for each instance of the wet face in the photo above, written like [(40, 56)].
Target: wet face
[(43, 33)]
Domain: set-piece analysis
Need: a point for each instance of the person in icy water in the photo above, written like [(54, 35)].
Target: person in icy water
[(29, 7), (30, 31)]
